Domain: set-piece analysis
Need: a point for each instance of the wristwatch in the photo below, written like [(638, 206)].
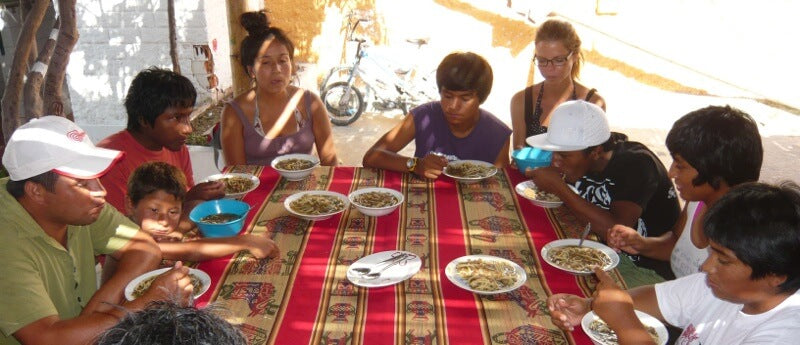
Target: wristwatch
[(411, 164)]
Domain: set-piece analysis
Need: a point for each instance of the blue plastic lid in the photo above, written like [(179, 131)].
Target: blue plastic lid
[(533, 154)]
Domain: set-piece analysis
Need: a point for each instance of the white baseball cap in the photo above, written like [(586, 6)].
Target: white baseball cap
[(574, 125), (55, 143)]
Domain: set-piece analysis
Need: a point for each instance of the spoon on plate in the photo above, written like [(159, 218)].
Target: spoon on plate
[(585, 233), (391, 261)]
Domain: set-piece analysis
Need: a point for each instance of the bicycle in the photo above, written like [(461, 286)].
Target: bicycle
[(375, 80)]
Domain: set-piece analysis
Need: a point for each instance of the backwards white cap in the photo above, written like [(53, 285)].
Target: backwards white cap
[(574, 125)]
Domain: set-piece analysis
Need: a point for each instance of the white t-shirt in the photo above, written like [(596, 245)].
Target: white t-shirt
[(688, 303), (686, 258)]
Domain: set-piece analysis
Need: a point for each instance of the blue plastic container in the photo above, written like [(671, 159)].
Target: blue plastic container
[(531, 157), (211, 207)]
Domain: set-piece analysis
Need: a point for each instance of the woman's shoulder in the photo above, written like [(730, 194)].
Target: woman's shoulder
[(583, 91)]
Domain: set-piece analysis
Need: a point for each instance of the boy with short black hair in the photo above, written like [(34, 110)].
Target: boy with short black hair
[(746, 294), (713, 149), (154, 201), (453, 128), (159, 103)]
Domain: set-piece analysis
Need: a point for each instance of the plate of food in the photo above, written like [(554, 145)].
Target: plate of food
[(566, 255), (469, 171), (598, 331), (236, 184), (316, 205), (376, 201), (528, 190), (384, 268), (137, 287), (295, 166), (485, 274)]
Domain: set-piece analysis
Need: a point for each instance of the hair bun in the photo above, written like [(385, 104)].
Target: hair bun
[(255, 22)]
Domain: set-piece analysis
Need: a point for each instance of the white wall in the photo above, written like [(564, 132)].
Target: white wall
[(118, 38)]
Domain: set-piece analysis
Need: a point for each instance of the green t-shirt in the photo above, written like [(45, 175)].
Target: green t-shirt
[(38, 276)]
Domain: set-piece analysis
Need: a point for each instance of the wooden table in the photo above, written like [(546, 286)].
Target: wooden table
[(304, 296)]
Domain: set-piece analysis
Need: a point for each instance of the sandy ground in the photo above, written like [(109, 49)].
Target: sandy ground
[(637, 106)]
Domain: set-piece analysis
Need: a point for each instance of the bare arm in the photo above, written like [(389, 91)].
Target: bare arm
[(621, 212), (616, 307), (323, 138), (174, 284), (502, 159), (209, 248), (383, 154), (518, 119), (232, 137), (140, 255), (629, 240)]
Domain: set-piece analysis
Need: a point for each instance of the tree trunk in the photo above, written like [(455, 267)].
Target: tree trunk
[(13, 94), (25, 7), (32, 94), (173, 40), (54, 79)]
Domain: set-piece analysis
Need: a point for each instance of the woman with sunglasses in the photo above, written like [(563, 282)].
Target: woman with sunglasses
[(558, 56)]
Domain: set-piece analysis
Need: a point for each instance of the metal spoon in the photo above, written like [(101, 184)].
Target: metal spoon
[(376, 275), (369, 270), (585, 233)]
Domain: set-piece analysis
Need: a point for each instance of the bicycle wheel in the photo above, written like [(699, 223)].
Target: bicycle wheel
[(343, 111)]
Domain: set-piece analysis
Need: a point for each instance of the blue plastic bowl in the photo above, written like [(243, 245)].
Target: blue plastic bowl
[(531, 157), (211, 207)]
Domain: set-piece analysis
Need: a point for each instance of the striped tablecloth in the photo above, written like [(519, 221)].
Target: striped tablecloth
[(304, 296)]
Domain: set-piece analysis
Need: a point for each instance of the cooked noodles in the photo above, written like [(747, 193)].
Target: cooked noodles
[(294, 164), (145, 284), (606, 335), (487, 275), (237, 184), (470, 170), (580, 259), (311, 204), (534, 193), (219, 218), (375, 199)]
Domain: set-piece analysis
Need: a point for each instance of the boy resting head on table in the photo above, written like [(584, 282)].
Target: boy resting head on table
[(747, 292), (154, 201)]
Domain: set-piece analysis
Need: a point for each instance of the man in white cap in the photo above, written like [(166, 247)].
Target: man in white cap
[(54, 223), (618, 181)]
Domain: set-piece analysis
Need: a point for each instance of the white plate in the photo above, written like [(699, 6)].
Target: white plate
[(295, 175), (587, 243), (450, 272), (203, 276), (256, 182), (376, 211), (392, 275), (522, 186), (469, 180), (323, 216), (645, 318)]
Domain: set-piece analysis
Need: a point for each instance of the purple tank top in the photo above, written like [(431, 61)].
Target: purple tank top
[(431, 133), (260, 150)]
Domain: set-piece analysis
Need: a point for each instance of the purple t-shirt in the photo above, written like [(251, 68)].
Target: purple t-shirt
[(431, 133)]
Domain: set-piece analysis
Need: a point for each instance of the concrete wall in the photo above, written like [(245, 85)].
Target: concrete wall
[(118, 38)]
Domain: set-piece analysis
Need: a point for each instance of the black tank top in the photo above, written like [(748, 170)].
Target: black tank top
[(533, 124)]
